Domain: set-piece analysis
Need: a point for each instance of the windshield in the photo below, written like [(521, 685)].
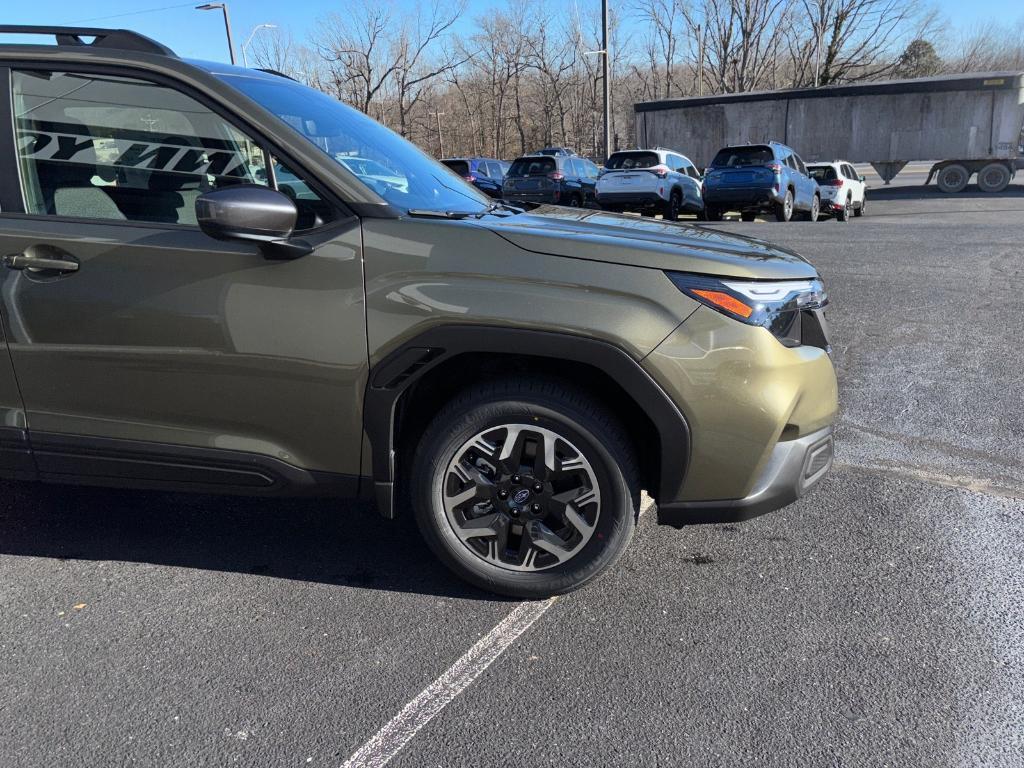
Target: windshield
[(388, 164), (533, 166), (738, 157), (622, 161)]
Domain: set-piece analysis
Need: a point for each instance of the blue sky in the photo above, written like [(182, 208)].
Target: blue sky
[(200, 34)]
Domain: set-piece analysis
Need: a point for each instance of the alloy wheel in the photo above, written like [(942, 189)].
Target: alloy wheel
[(521, 497)]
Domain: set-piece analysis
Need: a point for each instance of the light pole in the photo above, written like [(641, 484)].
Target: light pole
[(227, 23), (605, 78), (607, 82), (252, 34), (440, 137)]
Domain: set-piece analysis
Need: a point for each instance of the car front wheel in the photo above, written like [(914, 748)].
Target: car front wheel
[(526, 488)]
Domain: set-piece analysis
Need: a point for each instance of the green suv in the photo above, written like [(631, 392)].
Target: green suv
[(200, 293)]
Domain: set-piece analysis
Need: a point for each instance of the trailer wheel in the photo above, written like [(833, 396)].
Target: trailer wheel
[(994, 177), (953, 178)]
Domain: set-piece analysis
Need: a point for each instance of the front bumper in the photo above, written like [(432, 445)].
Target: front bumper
[(743, 395), (793, 468)]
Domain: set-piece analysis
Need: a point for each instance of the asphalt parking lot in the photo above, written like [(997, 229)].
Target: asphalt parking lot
[(880, 621)]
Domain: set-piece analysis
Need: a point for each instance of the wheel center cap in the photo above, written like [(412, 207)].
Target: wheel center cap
[(521, 496)]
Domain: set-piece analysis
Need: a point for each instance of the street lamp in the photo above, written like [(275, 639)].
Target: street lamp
[(227, 23), (255, 29), (605, 77)]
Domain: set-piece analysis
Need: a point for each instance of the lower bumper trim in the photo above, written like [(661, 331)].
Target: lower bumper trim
[(794, 467)]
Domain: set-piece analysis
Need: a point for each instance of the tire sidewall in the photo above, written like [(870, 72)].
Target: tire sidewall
[(614, 526)]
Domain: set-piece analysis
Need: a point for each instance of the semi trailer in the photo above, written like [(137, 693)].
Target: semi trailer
[(968, 125)]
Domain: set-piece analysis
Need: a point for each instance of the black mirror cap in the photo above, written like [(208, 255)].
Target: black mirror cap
[(246, 212)]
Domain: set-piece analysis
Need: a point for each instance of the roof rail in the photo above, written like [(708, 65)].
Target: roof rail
[(116, 39), (275, 72)]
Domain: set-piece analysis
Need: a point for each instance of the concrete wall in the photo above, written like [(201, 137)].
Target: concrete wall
[(962, 125)]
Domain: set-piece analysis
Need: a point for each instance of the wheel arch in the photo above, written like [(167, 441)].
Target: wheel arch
[(406, 387)]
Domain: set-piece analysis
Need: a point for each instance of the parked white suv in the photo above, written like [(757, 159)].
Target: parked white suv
[(842, 189), (650, 181)]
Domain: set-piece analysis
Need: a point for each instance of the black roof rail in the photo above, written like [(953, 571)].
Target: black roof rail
[(275, 72), (116, 39)]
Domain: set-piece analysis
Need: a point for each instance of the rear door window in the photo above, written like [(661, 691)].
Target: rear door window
[(460, 167), (738, 157), (624, 161), (533, 166)]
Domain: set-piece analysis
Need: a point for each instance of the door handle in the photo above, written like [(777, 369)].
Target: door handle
[(20, 261)]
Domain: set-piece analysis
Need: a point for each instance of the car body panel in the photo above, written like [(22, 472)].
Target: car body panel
[(417, 278), (739, 389), (165, 335), (629, 240)]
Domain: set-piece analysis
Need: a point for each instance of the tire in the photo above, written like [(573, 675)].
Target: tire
[(812, 215), (953, 178), (673, 206), (479, 423), (747, 215), (844, 213), (994, 177), (575, 202), (863, 207), (711, 214), (784, 210)]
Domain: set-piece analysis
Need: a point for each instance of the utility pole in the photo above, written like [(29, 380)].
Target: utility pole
[(700, 60), (606, 76), (440, 137), (227, 23)]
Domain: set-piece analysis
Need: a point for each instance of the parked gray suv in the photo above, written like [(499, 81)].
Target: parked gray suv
[(217, 279)]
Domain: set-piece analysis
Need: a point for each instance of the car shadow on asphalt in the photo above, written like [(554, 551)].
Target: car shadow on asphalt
[(329, 541)]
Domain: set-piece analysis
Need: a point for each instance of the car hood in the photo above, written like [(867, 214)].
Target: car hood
[(621, 239)]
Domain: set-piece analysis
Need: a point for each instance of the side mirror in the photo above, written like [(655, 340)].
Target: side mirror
[(863, 178), (255, 214)]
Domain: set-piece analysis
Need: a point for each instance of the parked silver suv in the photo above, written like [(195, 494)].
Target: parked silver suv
[(650, 181)]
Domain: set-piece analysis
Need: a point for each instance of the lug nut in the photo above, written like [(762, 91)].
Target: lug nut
[(514, 512), (537, 487), (502, 494), (516, 479), (536, 509)]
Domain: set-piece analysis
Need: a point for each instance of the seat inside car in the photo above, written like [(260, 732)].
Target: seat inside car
[(68, 188)]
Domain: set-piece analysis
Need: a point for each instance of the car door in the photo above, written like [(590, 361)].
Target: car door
[(691, 189), (856, 184), (15, 457), (806, 186), (146, 350)]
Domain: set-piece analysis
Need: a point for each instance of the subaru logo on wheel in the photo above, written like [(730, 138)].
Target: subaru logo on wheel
[(521, 496)]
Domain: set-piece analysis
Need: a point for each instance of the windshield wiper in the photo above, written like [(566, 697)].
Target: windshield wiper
[(427, 213)]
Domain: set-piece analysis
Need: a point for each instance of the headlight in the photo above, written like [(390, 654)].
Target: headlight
[(775, 305)]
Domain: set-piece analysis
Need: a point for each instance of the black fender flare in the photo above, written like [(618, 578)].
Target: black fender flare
[(390, 378)]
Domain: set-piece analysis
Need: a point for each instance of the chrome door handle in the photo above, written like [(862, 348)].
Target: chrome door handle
[(20, 261)]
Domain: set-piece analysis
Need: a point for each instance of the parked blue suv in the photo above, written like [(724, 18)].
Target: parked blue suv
[(484, 173), (759, 178)]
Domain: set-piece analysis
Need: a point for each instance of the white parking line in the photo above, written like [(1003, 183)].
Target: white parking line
[(390, 739)]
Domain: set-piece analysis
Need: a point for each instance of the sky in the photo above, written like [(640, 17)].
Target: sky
[(200, 34)]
